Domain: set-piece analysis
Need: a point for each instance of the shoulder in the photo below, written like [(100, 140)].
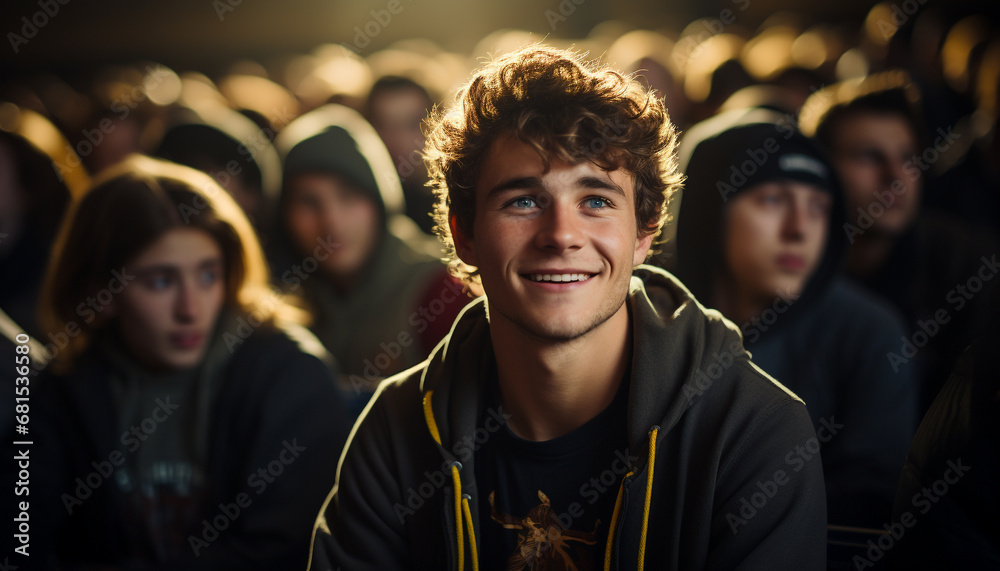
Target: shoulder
[(398, 399), (848, 302), (87, 379), (269, 342), (954, 245), (283, 356)]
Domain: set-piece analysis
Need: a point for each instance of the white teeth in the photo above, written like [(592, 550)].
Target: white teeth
[(559, 278)]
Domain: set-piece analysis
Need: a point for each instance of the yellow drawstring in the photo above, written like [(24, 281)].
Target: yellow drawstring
[(649, 495), (429, 417), (614, 523), (458, 515), (645, 510), (472, 531), (461, 500)]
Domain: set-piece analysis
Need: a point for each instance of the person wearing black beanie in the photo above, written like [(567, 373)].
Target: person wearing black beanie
[(760, 238)]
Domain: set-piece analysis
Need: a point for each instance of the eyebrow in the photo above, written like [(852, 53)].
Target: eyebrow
[(515, 183), (170, 268), (535, 182)]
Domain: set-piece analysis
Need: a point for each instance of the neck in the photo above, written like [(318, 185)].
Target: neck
[(551, 388)]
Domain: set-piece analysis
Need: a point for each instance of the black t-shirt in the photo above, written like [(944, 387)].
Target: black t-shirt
[(547, 505)]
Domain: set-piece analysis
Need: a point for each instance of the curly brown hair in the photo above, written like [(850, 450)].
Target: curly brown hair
[(564, 107)]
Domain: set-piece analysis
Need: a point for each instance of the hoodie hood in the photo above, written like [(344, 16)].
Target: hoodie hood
[(679, 341), (679, 350), (728, 154), (704, 428), (214, 137), (334, 139)]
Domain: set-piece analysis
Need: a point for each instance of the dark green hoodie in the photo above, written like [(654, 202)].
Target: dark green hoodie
[(377, 328)]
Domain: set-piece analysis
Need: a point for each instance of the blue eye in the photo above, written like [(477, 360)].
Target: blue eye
[(821, 207), (159, 283), (597, 202), (523, 202), (771, 199), (209, 277)]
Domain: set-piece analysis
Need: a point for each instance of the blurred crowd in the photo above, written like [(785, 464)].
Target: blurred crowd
[(322, 152)]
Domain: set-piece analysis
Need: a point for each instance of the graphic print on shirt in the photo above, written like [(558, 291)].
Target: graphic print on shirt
[(543, 544)]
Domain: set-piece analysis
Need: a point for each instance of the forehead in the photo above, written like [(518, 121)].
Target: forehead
[(868, 128), (313, 182), (394, 101), (784, 185), (180, 246), (508, 158)]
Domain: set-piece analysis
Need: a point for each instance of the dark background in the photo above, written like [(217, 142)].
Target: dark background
[(190, 34)]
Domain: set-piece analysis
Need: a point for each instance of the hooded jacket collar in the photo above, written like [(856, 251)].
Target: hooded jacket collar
[(677, 344)]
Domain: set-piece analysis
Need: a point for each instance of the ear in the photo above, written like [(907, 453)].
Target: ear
[(642, 246), (465, 247)]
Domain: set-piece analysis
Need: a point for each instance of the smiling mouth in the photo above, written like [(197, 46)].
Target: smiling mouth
[(558, 278)]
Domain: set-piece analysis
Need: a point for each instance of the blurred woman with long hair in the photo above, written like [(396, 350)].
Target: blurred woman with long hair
[(187, 425)]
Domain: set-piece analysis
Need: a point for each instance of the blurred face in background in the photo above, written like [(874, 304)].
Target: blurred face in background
[(775, 235), (397, 114), (874, 156), (167, 314), (327, 212)]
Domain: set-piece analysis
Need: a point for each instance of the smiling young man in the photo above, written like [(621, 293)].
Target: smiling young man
[(585, 412)]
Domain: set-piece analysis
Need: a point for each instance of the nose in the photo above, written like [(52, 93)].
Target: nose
[(559, 226), (794, 223), (897, 169), (186, 305), (331, 220)]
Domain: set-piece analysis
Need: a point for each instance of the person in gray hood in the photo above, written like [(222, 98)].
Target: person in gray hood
[(760, 238), (588, 412), (380, 297)]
